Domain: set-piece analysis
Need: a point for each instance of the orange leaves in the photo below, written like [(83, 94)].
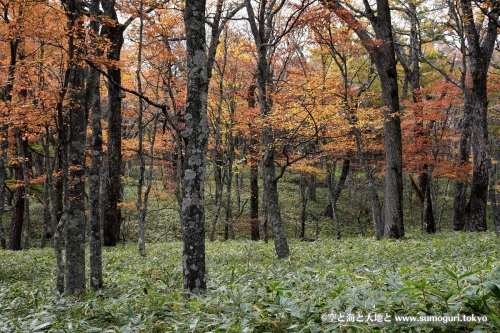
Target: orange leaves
[(429, 137)]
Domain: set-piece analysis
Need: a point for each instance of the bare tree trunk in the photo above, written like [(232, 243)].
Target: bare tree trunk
[(217, 165), (140, 128), (254, 175), (16, 225), (386, 67), (335, 192), (265, 217), (254, 199), (303, 202), (58, 247), (93, 102), (217, 158), (60, 194), (229, 177), (75, 225), (312, 187), (23, 147), (480, 47), (112, 213), (47, 185), (3, 179), (460, 199), (229, 211), (195, 135)]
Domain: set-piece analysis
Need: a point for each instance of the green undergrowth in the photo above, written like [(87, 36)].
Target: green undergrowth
[(250, 290)]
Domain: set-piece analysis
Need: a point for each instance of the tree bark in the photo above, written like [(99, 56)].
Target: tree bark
[(335, 192), (112, 213), (254, 175), (312, 187), (229, 227), (195, 135), (16, 224), (303, 202), (480, 53), (93, 103), (23, 147), (3, 178), (217, 157), (47, 185), (75, 224), (460, 217), (141, 242)]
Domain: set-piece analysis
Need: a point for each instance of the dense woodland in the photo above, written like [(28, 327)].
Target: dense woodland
[(112, 111)]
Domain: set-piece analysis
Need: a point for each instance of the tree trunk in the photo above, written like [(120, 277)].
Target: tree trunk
[(480, 46), (229, 176), (385, 62), (460, 198), (75, 224), (335, 192), (140, 153), (254, 175), (195, 135), (303, 202), (60, 193), (149, 183), (265, 91), (312, 187), (264, 223), (93, 102), (112, 213), (23, 147), (16, 224), (217, 165), (254, 199), (3, 179), (480, 176), (47, 228), (217, 160), (272, 199)]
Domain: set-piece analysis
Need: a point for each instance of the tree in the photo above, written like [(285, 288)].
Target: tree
[(266, 38), (195, 135), (93, 104), (382, 53), (411, 67), (76, 149), (476, 45), (338, 57), (480, 51), (113, 31)]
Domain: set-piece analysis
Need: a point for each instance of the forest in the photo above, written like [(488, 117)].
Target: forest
[(249, 166)]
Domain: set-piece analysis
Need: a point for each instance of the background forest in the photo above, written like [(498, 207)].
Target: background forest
[(272, 120)]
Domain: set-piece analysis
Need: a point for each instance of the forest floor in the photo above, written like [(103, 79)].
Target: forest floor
[(353, 285)]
